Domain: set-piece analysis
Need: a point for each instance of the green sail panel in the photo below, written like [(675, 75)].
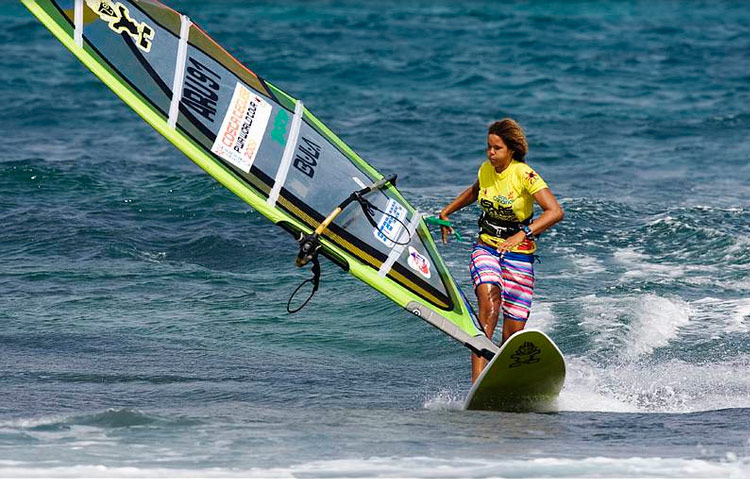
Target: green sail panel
[(263, 145)]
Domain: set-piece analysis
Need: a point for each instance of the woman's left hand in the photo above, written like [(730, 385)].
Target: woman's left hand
[(512, 242)]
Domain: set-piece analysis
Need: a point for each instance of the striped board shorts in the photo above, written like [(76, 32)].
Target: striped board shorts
[(512, 272)]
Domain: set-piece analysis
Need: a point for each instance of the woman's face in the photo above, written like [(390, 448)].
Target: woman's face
[(498, 153)]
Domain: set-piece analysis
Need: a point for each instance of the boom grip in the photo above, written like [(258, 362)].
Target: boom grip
[(381, 182)]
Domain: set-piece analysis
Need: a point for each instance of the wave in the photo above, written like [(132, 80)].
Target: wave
[(630, 327), (672, 386), (109, 419), (422, 467)]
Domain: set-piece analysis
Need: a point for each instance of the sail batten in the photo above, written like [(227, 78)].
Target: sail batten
[(286, 158), (179, 70), (78, 12)]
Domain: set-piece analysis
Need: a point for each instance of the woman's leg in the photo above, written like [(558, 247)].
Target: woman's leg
[(511, 326), (487, 276), (517, 294), (490, 304)]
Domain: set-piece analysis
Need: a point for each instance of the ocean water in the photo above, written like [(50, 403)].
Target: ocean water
[(143, 329)]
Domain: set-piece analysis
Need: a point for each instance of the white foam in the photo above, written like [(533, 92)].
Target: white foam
[(444, 400), (603, 320), (671, 386), (585, 264), (541, 317), (587, 388), (742, 285), (28, 423), (740, 245), (639, 265), (428, 467), (656, 321), (633, 326), (730, 315), (618, 374)]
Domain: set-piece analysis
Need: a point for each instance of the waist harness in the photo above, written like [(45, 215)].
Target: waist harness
[(500, 228)]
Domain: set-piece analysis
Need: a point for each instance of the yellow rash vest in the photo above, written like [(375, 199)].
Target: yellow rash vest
[(507, 202)]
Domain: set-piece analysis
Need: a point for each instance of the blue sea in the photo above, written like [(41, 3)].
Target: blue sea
[(143, 323)]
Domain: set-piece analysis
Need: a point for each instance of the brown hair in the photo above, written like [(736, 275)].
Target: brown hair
[(513, 136)]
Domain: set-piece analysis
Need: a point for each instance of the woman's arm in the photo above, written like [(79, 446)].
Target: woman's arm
[(552, 213), (466, 198)]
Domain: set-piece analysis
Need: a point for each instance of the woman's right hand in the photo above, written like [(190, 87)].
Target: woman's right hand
[(445, 231)]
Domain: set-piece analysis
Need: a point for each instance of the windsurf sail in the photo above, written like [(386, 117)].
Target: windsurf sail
[(263, 145)]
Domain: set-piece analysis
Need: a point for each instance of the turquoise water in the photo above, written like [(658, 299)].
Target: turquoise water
[(144, 329)]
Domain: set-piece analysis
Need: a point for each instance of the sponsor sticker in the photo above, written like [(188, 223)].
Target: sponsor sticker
[(279, 127), (388, 228), (419, 263), (243, 128)]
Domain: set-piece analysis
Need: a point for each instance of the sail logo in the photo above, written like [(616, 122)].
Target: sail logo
[(307, 157), (419, 263), (119, 20), (390, 224), (201, 91), (242, 130)]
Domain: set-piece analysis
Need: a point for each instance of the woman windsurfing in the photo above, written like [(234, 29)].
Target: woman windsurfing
[(502, 259)]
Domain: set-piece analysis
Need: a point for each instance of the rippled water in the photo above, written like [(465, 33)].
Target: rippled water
[(142, 306)]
